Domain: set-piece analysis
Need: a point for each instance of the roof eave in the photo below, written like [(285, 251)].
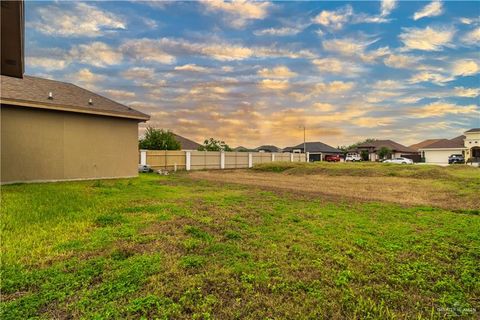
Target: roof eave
[(141, 117)]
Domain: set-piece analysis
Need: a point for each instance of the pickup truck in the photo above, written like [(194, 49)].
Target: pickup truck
[(332, 158), (353, 157)]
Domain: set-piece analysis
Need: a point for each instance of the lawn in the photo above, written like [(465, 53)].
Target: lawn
[(187, 246)]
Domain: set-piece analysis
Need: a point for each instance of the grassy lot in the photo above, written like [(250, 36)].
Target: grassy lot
[(177, 247)]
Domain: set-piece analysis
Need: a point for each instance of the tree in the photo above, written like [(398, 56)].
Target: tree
[(159, 139), (384, 152), (364, 155), (214, 145)]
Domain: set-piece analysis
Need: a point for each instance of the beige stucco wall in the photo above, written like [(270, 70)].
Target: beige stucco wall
[(440, 156), (44, 145)]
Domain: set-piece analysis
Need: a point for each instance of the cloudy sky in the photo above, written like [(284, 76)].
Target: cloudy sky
[(255, 73)]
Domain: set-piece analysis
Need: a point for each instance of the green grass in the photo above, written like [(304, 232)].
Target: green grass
[(171, 247), (373, 169)]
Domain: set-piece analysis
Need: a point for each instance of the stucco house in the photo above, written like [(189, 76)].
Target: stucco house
[(52, 130), (374, 147), (467, 144), (316, 150), (268, 148)]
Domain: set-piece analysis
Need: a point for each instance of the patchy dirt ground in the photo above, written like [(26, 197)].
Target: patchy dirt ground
[(406, 191)]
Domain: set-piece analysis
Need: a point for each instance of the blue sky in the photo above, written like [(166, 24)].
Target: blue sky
[(255, 73)]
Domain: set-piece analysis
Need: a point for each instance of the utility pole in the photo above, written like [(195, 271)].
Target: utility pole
[(304, 144)]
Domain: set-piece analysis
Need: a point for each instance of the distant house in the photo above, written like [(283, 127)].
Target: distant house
[(374, 147), (268, 148), (468, 145), (423, 144), (187, 144), (241, 149), (316, 150)]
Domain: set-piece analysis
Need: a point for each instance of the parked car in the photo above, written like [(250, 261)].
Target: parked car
[(456, 158), (353, 157), (332, 158), (399, 160)]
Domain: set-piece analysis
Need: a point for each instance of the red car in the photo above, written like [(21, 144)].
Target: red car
[(332, 158)]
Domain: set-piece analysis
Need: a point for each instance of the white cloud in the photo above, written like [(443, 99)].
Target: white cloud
[(239, 12), (147, 49), (439, 109), (428, 39), (351, 47), (466, 92), (138, 73), (472, 37), (119, 94), (273, 84), (81, 20), (334, 19), (466, 67), (400, 61), (284, 31), (191, 67), (427, 76), (165, 50), (387, 6), (277, 72), (46, 63), (338, 66), (432, 9), (97, 54)]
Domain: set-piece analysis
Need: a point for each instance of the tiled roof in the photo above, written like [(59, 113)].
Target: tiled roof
[(424, 144), (268, 148), (473, 130), (34, 92), (392, 145), (187, 144), (457, 142), (314, 147)]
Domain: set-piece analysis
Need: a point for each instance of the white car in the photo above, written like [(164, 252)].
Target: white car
[(399, 160), (353, 157)]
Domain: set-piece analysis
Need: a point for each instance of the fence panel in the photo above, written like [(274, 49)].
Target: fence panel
[(236, 160), (205, 160), (163, 159), (282, 157), (199, 160)]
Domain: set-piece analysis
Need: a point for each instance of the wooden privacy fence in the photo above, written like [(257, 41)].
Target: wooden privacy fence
[(200, 160)]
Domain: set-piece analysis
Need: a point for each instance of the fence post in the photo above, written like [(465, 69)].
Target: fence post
[(250, 160), (222, 159), (291, 157), (307, 157), (188, 155), (273, 157), (143, 157)]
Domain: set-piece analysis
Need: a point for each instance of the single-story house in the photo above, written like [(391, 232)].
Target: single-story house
[(468, 145), (316, 150), (242, 149), (423, 144), (374, 147), (52, 130), (268, 148), (187, 144)]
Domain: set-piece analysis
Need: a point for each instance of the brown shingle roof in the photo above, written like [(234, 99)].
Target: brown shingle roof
[(457, 142), (33, 92), (392, 145), (424, 144), (186, 144)]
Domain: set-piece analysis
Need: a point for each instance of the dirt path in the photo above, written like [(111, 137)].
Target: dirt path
[(406, 191)]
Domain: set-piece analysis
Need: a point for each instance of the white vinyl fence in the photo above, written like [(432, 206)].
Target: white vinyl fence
[(200, 160)]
